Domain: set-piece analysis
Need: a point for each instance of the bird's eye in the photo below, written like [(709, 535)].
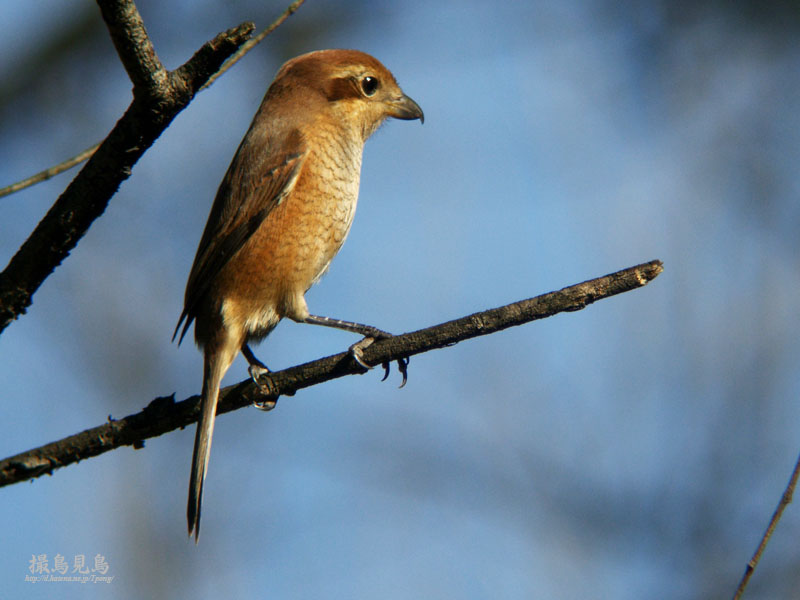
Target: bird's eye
[(369, 85)]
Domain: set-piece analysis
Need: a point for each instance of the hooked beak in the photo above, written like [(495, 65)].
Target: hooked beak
[(405, 108)]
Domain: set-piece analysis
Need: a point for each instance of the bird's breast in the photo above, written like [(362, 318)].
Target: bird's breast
[(306, 231), (324, 204), (296, 242)]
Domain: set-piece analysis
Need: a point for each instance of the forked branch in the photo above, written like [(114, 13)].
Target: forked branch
[(158, 96)]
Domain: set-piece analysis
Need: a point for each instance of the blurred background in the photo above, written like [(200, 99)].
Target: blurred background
[(635, 449)]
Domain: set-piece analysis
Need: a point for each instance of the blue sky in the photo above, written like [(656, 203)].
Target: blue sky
[(634, 449)]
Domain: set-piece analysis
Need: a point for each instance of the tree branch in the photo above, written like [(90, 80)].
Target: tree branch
[(158, 97), (134, 47), (786, 500), (164, 414), (255, 40), (51, 172)]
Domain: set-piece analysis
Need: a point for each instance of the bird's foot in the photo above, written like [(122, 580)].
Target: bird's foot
[(357, 352), (260, 375)]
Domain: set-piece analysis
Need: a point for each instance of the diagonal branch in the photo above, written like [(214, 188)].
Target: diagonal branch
[(51, 172), (255, 40), (786, 499), (134, 47), (158, 96), (88, 195), (164, 414)]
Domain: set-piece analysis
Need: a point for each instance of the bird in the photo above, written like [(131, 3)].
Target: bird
[(280, 215)]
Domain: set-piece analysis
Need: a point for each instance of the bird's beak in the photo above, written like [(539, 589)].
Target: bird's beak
[(405, 108)]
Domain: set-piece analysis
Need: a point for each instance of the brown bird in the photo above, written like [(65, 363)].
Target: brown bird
[(281, 213)]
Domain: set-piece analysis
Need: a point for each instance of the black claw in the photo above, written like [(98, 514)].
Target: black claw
[(402, 366)]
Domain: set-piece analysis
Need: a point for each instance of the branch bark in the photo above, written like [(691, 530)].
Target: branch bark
[(158, 96), (134, 47), (786, 500), (164, 414)]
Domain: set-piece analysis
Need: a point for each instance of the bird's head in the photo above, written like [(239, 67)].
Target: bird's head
[(352, 87)]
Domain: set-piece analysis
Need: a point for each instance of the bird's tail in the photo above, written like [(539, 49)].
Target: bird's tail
[(214, 370)]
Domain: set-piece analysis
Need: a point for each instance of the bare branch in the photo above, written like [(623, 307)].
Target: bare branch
[(254, 41), (133, 46), (164, 414), (79, 158), (48, 173), (88, 194), (786, 499)]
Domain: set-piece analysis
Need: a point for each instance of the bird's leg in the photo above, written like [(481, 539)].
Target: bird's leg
[(365, 330), (356, 350), (254, 363), (370, 334), (257, 370)]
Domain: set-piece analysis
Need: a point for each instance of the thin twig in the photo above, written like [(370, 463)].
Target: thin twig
[(164, 414), (79, 158), (786, 499), (252, 42), (48, 173)]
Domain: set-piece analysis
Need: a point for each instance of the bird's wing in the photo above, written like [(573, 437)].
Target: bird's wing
[(256, 182)]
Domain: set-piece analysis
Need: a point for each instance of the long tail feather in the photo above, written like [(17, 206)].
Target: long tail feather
[(213, 373)]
